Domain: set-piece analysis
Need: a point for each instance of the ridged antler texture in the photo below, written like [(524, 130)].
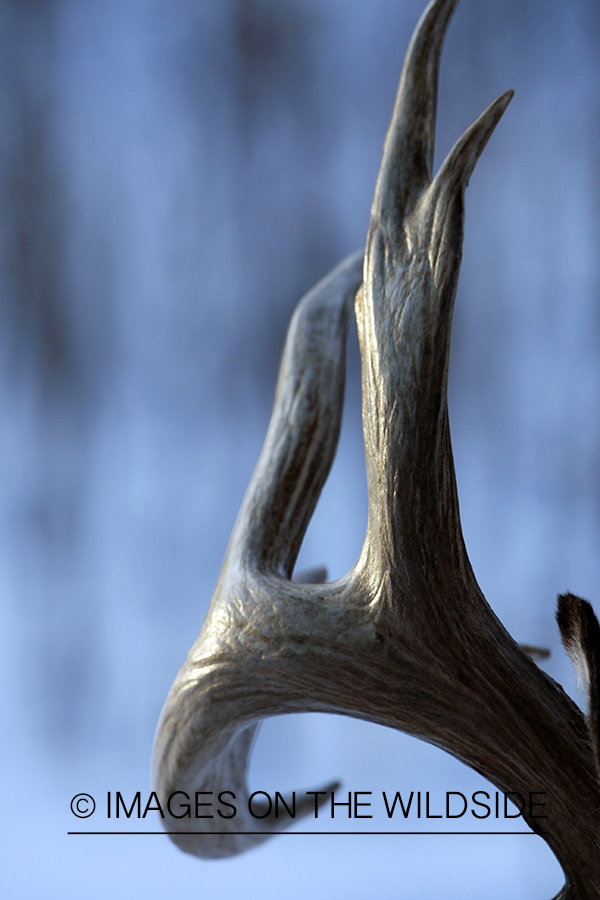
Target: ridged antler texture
[(406, 639)]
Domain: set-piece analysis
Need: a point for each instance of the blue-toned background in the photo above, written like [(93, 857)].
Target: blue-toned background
[(174, 174)]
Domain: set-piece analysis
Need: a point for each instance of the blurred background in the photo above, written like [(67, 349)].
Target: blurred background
[(174, 174)]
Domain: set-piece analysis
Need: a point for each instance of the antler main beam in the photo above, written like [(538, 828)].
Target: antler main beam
[(406, 639)]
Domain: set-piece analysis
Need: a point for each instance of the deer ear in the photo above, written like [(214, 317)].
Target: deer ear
[(580, 634)]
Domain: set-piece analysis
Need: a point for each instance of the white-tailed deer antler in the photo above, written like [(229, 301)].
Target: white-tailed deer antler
[(406, 639)]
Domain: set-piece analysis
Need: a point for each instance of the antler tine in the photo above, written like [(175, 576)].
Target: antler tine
[(235, 673), (441, 208), (404, 316), (304, 429), (407, 159)]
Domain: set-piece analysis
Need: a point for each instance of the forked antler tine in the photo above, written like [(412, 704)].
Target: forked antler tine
[(443, 200), (405, 343), (304, 429), (580, 632), (407, 159)]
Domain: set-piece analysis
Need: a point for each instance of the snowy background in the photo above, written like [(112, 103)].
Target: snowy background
[(174, 174)]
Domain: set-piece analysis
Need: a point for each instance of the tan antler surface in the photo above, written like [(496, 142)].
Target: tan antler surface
[(406, 639)]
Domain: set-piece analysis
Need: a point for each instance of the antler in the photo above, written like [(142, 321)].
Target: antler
[(406, 639)]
